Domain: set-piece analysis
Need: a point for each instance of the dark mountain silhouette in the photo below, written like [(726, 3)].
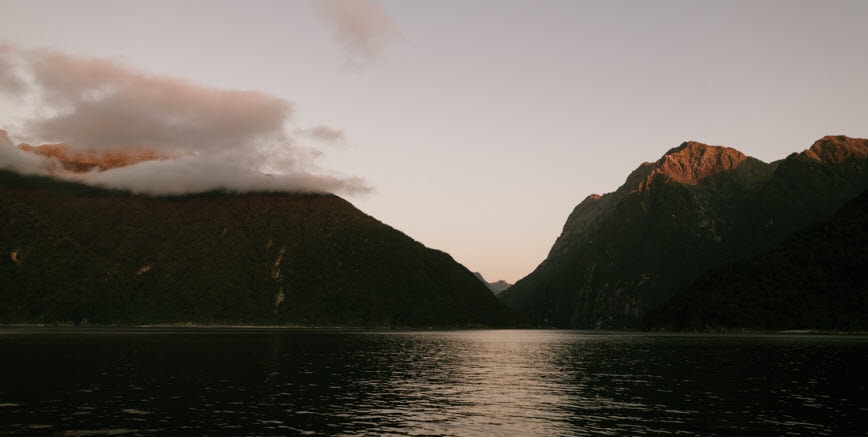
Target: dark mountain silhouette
[(815, 279), (75, 253), (626, 252), (496, 287)]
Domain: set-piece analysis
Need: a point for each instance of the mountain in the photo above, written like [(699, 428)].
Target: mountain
[(621, 254), (73, 253), (496, 287), (84, 161), (815, 279)]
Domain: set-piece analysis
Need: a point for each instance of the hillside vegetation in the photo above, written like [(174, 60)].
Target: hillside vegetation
[(816, 279), (77, 254)]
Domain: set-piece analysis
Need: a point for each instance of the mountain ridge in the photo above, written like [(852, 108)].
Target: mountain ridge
[(692, 162), (837, 149), (73, 253), (622, 253), (496, 287)]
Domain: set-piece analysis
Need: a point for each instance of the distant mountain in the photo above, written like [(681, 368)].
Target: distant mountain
[(815, 279), (73, 254), (496, 287), (626, 252)]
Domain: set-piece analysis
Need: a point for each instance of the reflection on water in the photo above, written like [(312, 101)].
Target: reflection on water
[(275, 382)]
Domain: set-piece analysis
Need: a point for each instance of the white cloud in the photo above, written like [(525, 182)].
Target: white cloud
[(225, 139), (12, 158)]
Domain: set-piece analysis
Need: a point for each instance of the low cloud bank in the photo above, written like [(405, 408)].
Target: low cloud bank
[(202, 138)]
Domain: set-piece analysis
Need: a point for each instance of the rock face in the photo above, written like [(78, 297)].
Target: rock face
[(815, 279), (87, 160), (836, 149), (71, 253), (692, 162), (626, 252)]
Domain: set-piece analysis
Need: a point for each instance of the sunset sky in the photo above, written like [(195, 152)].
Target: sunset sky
[(472, 126)]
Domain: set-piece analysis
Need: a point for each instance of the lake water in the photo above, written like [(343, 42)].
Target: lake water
[(73, 382)]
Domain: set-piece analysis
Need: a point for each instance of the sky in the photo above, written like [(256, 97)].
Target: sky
[(475, 127)]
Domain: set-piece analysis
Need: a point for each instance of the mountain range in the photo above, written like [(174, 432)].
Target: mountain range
[(73, 253), (624, 253), (705, 238)]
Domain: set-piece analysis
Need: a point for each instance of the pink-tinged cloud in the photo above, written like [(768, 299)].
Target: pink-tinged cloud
[(218, 139), (361, 27)]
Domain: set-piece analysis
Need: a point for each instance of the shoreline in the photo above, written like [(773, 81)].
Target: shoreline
[(190, 326)]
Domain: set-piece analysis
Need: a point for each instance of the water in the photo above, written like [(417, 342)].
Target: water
[(279, 382)]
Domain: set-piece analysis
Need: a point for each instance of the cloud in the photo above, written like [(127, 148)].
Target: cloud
[(360, 26), (9, 80), (323, 133), (220, 139), (191, 175), (15, 159)]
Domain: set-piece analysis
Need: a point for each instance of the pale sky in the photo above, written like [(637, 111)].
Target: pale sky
[(479, 125)]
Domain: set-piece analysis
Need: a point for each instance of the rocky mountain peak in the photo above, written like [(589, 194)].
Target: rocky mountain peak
[(837, 148), (691, 162), (81, 161)]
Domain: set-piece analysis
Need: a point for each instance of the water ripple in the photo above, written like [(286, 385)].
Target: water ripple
[(431, 383)]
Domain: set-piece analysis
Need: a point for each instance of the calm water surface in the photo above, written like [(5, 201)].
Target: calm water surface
[(279, 382)]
